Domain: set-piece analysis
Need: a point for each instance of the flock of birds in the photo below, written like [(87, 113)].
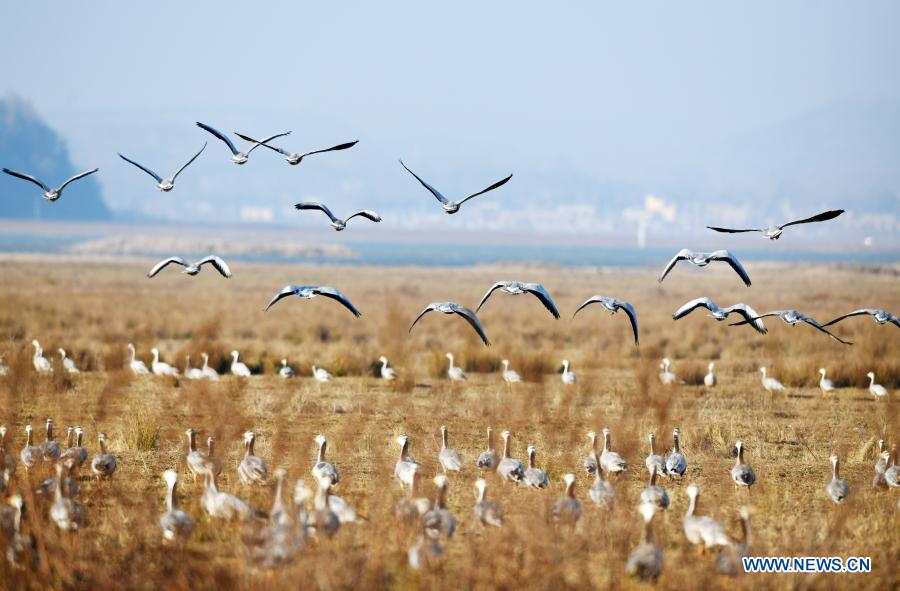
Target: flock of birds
[(281, 534)]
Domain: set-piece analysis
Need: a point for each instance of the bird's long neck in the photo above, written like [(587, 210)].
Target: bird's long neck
[(28, 438), (404, 450), (441, 501), (651, 445), (444, 439), (531, 455), (647, 531), (79, 438), (133, 354), (871, 380), (205, 362), (414, 487), (740, 458), (692, 507), (482, 494), (211, 481), (192, 442), (490, 440), (384, 364), (155, 356), (598, 474), (49, 431), (209, 447), (570, 489), (677, 443), (653, 476), (745, 530), (506, 447), (69, 438), (565, 367), (103, 446), (57, 486), (322, 445), (836, 470), (451, 361), (606, 441), (170, 497)]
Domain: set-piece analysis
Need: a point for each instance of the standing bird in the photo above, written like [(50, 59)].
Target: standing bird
[(770, 384), (78, 452), (137, 366), (676, 463), (611, 461), (161, 368), (488, 459), (449, 459), (654, 459), (50, 194), (453, 206), (50, 447), (721, 314), (876, 390), (654, 494), (412, 508), (568, 376), (792, 317), (219, 504), (534, 476), (567, 510), (337, 223), (292, 158), (702, 259), (612, 305), (8, 461), (164, 185), (774, 232), (702, 529), (237, 156), (510, 376), (454, 308), (406, 466), (30, 455), (286, 371), (65, 512), (324, 519), (237, 368), (666, 376), (308, 292), (825, 385), (879, 316), (192, 373), (208, 372), (387, 373), (104, 463), (41, 364), (730, 560), (22, 550), (454, 372), (175, 524), (196, 460), (509, 468), (742, 473), (68, 364), (837, 489), (518, 288), (601, 491), (192, 268), (252, 469), (439, 521), (323, 468), (709, 380), (487, 511), (892, 471), (645, 561)]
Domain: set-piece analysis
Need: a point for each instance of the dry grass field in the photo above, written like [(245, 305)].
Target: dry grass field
[(94, 309)]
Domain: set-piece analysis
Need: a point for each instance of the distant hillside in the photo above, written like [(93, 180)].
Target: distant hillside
[(28, 145)]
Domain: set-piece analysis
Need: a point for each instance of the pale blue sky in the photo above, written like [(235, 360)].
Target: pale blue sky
[(587, 103)]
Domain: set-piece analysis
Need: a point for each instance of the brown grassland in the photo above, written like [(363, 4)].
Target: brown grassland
[(93, 309)]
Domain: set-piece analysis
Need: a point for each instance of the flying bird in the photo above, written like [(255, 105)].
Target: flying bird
[(307, 292), (519, 287), (774, 232), (164, 185), (701, 259), (453, 206), (237, 156), (337, 223), (792, 317), (612, 305), (879, 316), (292, 158), (454, 308), (49, 194), (193, 268), (721, 313)]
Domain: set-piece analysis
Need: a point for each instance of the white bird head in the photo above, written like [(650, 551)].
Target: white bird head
[(441, 481), (155, 351), (693, 490), (648, 510), (234, 354), (565, 362), (505, 435), (284, 362), (569, 479), (762, 369), (28, 429), (280, 473), (3, 431), (101, 437), (383, 359), (738, 445), (592, 435), (505, 362), (62, 352), (79, 431), (834, 459), (16, 501), (171, 477), (651, 436), (871, 375), (248, 435), (36, 344), (402, 440), (449, 356), (320, 440), (605, 431), (480, 485), (711, 366), (530, 450), (822, 370)]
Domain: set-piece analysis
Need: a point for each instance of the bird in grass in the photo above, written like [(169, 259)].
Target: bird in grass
[(137, 366), (175, 524), (702, 259), (455, 372), (68, 363), (41, 364), (792, 317), (387, 373), (237, 156), (613, 305), (161, 368), (879, 316), (645, 561), (534, 476), (337, 223), (237, 367), (50, 194), (487, 511), (825, 385), (701, 530), (876, 390), (307, 292), (774, 232), (568, 376), (448, 457), (837, 488), (453, 206), (192, 268), (721, 313), (742, 473), (567, 510), (770, 384), (454, 308), (164, 185), (518, 288), (293, 158)]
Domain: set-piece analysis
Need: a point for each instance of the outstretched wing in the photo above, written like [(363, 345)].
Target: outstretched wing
[(365, 213), (860, 312), (330, 292), (488, 293), (750, 319), (819, 217), (80, 175), (693, 305), (748, 314), (591, 300), (472, 319), (733, 231), (220, 265), (27, 177), (186, 164), (427, 309), (287, 291), (162, 264), (682, 255), (724, 255), (499, 183), (219, 135), (435, 192), (316, 205), (538, 291), (812, 322), (332, 148), (141, 166), (632, 315), (263, 143)]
